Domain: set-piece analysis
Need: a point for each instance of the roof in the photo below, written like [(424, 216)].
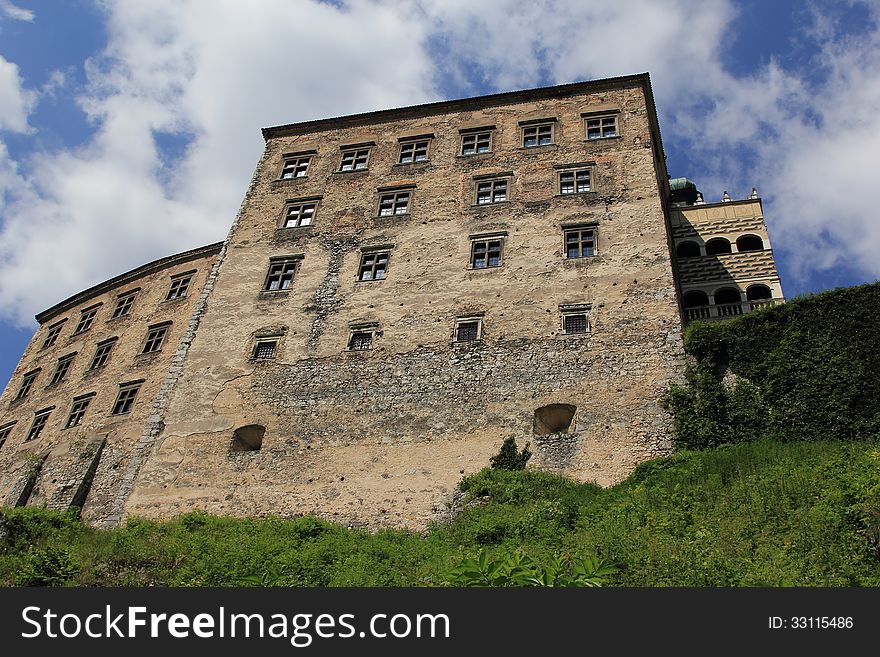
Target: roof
[(127, 277)]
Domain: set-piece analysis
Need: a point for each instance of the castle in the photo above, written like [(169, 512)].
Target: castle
[(399, 292)]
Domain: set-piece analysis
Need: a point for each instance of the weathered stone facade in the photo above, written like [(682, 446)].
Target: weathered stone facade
[(399, 292)]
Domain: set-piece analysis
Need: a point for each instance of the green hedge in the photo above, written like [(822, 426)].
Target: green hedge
[(806, 370)]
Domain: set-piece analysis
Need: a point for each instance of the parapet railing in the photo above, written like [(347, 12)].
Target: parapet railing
[(726, 310)]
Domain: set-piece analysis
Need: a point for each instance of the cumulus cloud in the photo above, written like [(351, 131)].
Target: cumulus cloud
[(14, 12)]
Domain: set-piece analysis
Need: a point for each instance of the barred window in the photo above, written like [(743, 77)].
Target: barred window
[(40, 420), (78, 411), (355, 159), (537, 135), (580, 242), (61, 369), (265, 349), (102, 354), (155, 338), (280, 274), (575, 323), (394, 203), (85, 320), (468, 329), (574, 182), (52, 335), (299, 214), (477, 142), (295, 167), (123, 305), (125, 399), (27, 382), (361, 338), (179, 287), (601, 127), (413, 151), (486, 253), (491, 191), (373, 266)]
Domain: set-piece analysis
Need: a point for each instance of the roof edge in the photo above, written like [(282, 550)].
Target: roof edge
[(121, 279), (457, 105)]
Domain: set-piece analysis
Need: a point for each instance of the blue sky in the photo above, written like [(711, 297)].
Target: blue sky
[(129, 130)]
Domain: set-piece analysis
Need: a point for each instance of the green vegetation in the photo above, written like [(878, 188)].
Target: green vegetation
[(753, 514), (508, 458)]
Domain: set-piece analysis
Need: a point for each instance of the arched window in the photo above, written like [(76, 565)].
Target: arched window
[(553, 418), (248, 438), (749, 243), (717, 245), (688, 250), (758, 293), (728, 302), (695, 299)]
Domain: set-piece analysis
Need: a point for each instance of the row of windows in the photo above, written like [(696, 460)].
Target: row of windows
[(152, 344), (574, 321), (474, 141), (398, 201), (719, 245), (486, 252), (124, 302), (125, 399)]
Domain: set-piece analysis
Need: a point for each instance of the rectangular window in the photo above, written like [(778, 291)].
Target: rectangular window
[(414, 151), (27, 382), (299, 214), (468, 329), (537, 135), (280, 274), (179, 286), (123, 305), (354, 159), (78, 411), (265, 349), (492, 191), (574, 182), (295, 167), (360, 341), (4, 433), (374, 265), (102, 354), (85, 320), (486, 253), (125, 399), (601, 127), (476, 142), (61, 369), (394, 203), (575, 323), (155, 338), (580, 242), (52, 335), (40, 420)]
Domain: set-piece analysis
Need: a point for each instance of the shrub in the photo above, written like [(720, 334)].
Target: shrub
[(508, 458)]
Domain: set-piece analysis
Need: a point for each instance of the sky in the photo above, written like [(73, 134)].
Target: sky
[(129, 130)]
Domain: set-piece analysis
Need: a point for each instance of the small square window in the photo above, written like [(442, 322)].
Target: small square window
[(61, 369), (280, 274), (4, 433), (85, 320), (125, 399), (27, 382), (580, 242), (77, 412), (492, 191), (295, 167), (155, 338), (537, 135), (265, 349), (575, 323), (40, 420), (374, 266), (486, 253), (476, 142), (393, 203), (468, 329), (361, 340), (52, 335), (413, 151), (354, 159), (102, 354), (179, 287), (123, 305), (299, 214), (602, 127), (574, 182)]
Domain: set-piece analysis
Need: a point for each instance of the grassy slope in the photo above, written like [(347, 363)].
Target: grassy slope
[(759, 513)]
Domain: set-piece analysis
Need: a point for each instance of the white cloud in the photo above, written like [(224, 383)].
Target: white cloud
[(14, 12), (15, 101)]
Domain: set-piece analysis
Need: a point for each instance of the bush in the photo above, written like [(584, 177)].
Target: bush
[(508, 458)]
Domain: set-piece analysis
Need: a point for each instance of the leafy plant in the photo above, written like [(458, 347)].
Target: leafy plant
[(51, 566), (519, 570), (508, 458)]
